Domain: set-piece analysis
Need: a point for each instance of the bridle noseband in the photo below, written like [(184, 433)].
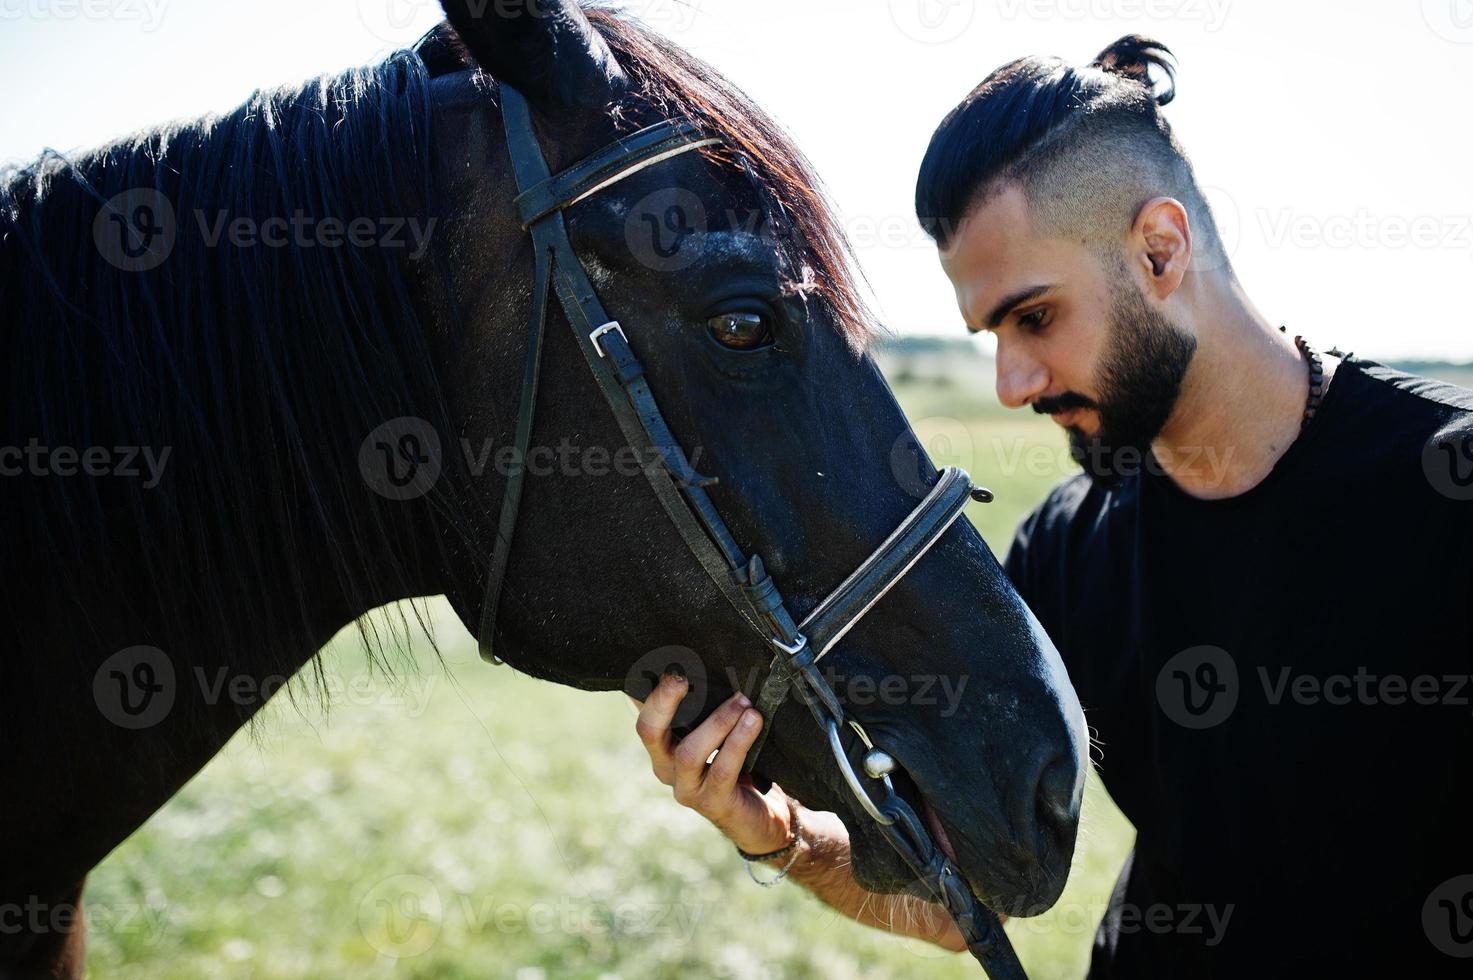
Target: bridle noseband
[(682, 493)]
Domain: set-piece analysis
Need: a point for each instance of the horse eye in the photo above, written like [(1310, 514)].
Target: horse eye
[(740, 331)]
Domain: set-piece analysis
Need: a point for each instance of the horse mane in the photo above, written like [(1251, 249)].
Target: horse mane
[(244, 362), (670, 82), (247, 364)]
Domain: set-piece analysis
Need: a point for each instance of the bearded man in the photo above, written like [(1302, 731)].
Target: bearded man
[(1260, 583)]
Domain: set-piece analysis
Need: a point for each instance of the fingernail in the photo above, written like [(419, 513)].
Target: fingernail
[(748, 720), (743, 700)]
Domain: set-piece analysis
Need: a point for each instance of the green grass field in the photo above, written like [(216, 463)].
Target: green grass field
[(472, 822)]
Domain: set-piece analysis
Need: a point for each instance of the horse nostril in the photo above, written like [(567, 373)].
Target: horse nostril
[(1056, 806)]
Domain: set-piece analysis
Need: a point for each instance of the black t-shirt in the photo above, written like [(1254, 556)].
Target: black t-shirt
[(1279, 685)]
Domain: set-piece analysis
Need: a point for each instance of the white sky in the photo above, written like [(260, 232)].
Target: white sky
[(1334, 136)]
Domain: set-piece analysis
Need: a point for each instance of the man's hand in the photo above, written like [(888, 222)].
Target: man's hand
[(761, 822), (755, 822)]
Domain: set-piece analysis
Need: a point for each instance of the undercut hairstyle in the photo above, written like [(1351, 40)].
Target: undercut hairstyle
[(1087, 145)]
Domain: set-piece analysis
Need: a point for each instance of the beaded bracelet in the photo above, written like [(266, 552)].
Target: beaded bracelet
[(790, 850)]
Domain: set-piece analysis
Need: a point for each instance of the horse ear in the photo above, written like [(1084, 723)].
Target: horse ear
[(545, 49)]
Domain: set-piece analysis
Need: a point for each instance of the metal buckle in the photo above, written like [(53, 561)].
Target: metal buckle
[(791, 651), (612, 325)]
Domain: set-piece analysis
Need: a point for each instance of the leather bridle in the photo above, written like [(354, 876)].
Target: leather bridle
[(681, 491)]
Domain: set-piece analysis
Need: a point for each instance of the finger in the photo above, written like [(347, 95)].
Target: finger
[(656, 715), (691, 753), (721, 778), (695, 748)]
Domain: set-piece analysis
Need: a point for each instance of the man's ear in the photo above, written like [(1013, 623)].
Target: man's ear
[(1161, 245), (545, 49)]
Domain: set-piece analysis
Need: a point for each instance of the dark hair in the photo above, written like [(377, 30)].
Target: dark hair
[(1005, 128), (666, 81), (246, 364), (675, 83)]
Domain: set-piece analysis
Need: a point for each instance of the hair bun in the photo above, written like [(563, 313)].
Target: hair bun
[(1133, 56)]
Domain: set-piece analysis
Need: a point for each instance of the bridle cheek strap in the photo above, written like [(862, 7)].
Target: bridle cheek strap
[(681, 492), (602, 342)]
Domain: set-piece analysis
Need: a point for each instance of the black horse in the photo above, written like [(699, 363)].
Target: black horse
[(258, 370)]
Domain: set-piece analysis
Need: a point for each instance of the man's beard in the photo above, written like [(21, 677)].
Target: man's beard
[(1140, 378)]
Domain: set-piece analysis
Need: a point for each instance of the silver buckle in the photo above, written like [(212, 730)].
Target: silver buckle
[(793, 650), (612, 325)]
